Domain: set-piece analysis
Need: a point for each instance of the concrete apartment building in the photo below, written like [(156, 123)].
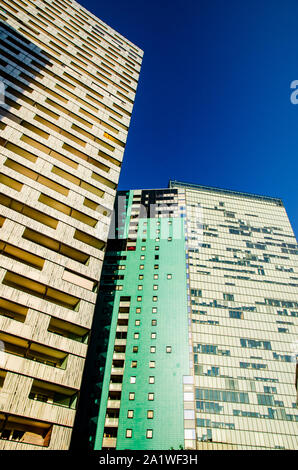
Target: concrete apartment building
[(70, 82), (197, 324)]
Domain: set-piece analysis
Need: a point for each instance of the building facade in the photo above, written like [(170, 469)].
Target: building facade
[(198, 323), (68, 87)]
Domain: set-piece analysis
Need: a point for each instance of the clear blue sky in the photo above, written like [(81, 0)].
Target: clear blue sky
[(213, 102)]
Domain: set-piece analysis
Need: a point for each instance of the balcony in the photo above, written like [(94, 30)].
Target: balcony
[(115, 387), (109, 442), (112, 422), (114, 404)]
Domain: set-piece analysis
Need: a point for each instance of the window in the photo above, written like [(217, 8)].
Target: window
[(131, 396), (143, 248), (140, 287), (136, 335), (228, 296), (157, 239), (134, 364), (130, 413), (155, 276), (169, 239), (141, 266), (150, 414), (155, 287), (154, 322), (137, 322), (119, 287), (138, 310), (156, 266), (141, 277), (154, 298), (142, 257), (150, 396), (157, 248), (139, 298), (151, 379), (128, 433), (156, 257), (152, 364), (169, 276), (135, 349), (169, 349), (133, 379), (152, 349), (153, 335)]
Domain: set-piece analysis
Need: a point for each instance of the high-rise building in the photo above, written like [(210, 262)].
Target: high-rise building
[(69, 87), (197, 323)]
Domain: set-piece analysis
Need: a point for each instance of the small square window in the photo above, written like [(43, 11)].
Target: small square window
[(156, 266), (133, 379), (152, 349), (157, 248), (135, 349), (156, 257), (142, 257), (152, 364), (141, 266), (136, 335), (143, 248), (155, 287), (140, 287), (141, 277), (129, 433), (154, 309), (155, 276), (144, 239), (119, 287), (154, 322), (169, 239), (130, 413), (134, 364), (169, 276), (151, 379), (137, 322), (154, 298), (131, 396), (139, 298), (169, 349), (150, 414), (153, 335), (138, 309), (150, 396), (157, 239)]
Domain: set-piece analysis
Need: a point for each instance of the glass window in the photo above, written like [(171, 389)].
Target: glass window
[(131, 396), (130, 413), (129, 433), (150, 396), (150, 414), (133, 379)]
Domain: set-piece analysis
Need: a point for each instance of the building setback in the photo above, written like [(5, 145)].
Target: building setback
[(70, 82), (195, 341)]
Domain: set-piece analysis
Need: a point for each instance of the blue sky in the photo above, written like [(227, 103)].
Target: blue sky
[(213, 103)]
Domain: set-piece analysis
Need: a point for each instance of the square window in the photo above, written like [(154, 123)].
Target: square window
[(142, 257), (152, 364), (169, 239), (153, 335), (169, 276), (154, 322), (155, 287), (169, 349), (156, 257), (152, 349), (137, 322), (143, 248), (156, 266), (141, 266), (136, 335), (130, 413), (133, 379), (131, 396), (139, 298), (138, 309), (150, 414), (135, 349), (155, 276), (154, 298), (134, 364), (157, 248), (150, 396), (157, 239), (141, 276), (119, 287), (151, 379), (140, 287), (129, 433)]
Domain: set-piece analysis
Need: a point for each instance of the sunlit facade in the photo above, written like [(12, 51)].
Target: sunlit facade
[(69, 87), (198, 327)]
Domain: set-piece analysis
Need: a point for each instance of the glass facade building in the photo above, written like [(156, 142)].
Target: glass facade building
[(68, 83), (196, 340)]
